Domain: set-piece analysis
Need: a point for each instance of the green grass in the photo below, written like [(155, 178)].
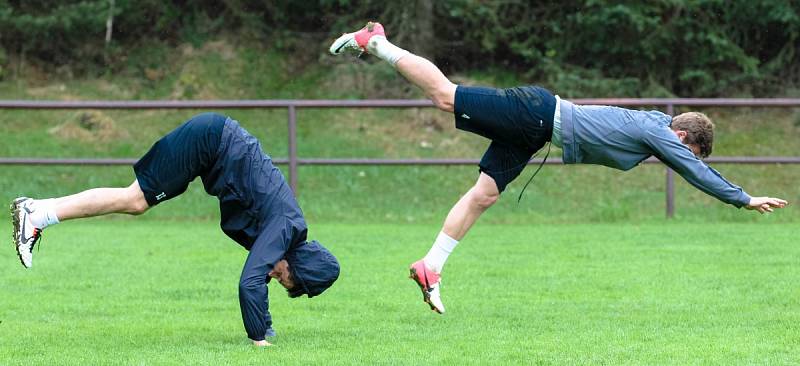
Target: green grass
[(409, 195), (131, 291), (583, 271), (221, 70)]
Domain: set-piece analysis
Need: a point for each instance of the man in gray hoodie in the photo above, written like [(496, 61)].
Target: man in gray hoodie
[(519, 121)]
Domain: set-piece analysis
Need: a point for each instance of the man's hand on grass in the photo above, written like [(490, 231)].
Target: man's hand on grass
[(765, 204)]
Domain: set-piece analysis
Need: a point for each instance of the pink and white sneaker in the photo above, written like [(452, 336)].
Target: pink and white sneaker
[(428, 281), (357, 40)]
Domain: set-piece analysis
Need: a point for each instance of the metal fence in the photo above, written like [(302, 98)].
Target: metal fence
[(293, 160)]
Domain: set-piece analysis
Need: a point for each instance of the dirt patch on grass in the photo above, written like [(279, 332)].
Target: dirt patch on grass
[(89, 126)]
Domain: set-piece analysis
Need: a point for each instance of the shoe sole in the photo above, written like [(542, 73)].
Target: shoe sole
[(14, 208), (425, 295), (338, 50)]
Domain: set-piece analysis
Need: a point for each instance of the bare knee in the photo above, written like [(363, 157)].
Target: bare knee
[(444, 97), (137, 206), (484, 193), (483, 199), (135, 203)]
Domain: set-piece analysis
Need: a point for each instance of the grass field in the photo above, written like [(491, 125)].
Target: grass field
[(585, 270), (357, 194), (130, 291)]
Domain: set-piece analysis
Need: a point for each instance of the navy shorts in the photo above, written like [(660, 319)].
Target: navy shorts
[(519, 121), (179, 157)]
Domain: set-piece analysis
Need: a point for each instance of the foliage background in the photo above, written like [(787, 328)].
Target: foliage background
[(579, 47), (277, 50)]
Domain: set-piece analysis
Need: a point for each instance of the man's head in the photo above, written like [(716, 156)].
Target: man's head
[(308, 269), (282, 273), (695, 130)]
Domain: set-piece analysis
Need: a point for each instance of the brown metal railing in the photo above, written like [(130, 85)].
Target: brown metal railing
[(292, 105)]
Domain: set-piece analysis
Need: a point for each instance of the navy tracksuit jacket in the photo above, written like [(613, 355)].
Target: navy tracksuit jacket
[(257, 208)]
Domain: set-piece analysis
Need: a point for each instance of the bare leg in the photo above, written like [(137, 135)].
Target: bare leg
[(470, 207), (425, 75), (101, 201), (430, 79), (30, 217), (462, 216), (483, 194), (417, 70)]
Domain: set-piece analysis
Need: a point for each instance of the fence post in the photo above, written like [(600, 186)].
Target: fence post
[(293, 148), (670, 177)]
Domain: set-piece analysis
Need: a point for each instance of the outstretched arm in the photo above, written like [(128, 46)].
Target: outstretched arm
[(669, 149), (269, 248), (253, 298)]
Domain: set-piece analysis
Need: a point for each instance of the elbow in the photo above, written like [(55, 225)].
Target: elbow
[(250, 284)]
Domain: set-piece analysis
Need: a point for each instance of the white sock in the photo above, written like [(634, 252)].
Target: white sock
[(381, 47), (439, 252), (44, 214), (43, 202)]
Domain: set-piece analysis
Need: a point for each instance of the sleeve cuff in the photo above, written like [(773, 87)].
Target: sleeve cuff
[(744, 200)]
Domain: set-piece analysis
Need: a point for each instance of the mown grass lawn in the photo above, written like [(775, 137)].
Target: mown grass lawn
[(144, 291)]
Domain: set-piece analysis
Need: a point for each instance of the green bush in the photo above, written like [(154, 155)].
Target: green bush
[(691, 48), (579, 47)]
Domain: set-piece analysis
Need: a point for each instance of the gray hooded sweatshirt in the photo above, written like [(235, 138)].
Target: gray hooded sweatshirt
[(622, 138)]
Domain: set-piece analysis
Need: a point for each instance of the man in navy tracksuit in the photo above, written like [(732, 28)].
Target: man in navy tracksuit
[(257, 208)]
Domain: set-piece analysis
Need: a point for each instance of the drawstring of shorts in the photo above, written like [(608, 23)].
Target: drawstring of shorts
[(534, 173)]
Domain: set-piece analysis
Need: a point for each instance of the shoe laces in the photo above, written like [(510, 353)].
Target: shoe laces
[(37, 235)]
